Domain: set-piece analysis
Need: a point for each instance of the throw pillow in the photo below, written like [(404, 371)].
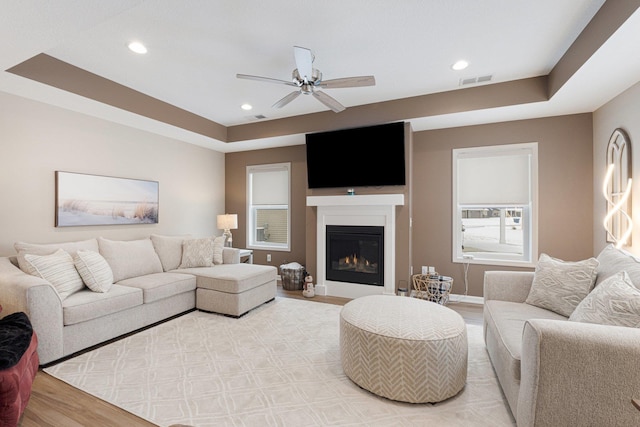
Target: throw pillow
[(218, 247), (169, 249), (94, 270), (23, 248), (613, 260), (615, 301), (56, 268), (559, 285), (130, 258), (197, 253)]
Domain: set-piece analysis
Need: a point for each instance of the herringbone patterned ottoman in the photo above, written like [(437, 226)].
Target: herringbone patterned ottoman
[(403, 349)]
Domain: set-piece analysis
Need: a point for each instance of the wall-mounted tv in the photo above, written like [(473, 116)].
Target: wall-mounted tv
[(356, 157)]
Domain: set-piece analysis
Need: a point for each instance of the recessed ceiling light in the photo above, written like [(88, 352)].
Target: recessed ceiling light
[(246, 107), (137, 47), (460, 65)]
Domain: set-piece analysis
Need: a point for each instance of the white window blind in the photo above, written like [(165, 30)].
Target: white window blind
[(270, 187), (502, 179)]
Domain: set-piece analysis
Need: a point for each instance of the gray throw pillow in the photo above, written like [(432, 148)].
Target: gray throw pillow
[(615, 301), (559, 286)]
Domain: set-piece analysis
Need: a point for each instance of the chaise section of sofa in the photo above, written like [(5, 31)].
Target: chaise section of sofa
[(556, 372)]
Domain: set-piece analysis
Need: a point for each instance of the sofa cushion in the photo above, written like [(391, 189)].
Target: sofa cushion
[(157, 286), (94, 270), (87, 305), (506, 320), (169, 249), (559, 285), (130, 258), (197, 253), (23, 248), (613, 261), (232, 278), (56, 268), (615, 301)]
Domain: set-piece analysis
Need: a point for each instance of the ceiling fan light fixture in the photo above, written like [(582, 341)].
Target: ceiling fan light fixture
[(460, 65)]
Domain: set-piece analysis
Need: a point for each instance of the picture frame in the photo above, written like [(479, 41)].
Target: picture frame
[(88, 200)]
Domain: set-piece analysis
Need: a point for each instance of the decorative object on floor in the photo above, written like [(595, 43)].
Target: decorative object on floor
[(83, 199), (266, 368), (292, 275), (227, 222), (308, 290), (403, 349), (617, 190), (432, 287)]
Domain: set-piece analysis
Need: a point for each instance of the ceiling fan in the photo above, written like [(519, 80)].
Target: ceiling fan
[(308, 79)]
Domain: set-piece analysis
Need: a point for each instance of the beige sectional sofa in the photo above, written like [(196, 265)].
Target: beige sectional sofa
[(579, 367), (112, 288)]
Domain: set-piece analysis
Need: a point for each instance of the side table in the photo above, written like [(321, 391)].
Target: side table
[(248, 254)]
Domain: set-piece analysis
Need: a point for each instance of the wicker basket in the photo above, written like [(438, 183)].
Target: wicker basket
[(292, 276), (432, 287)]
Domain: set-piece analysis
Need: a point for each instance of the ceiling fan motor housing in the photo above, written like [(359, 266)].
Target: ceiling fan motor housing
[(316, 77)]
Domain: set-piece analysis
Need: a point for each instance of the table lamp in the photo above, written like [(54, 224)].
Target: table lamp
[(227, 222)]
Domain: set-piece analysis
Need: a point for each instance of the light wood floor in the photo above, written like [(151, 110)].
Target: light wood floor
[(54, 403)]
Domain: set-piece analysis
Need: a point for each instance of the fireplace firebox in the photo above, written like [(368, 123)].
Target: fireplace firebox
[(355, 254)]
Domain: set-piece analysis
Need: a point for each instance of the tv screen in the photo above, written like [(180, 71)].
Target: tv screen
[(358, 157)]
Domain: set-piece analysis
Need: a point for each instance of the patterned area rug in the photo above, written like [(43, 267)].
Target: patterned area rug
[(279, 365)]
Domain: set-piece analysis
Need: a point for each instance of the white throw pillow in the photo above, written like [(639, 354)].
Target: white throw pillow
[(58, 269), (94, 270), (218, 247), (197, 253), (559, 285), (615, 301), (71, 248)]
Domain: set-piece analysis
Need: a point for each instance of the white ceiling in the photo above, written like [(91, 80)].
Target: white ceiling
[(196, 48)]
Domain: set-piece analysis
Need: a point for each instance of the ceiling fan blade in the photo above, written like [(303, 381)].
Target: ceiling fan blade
[(287, 99), (266, 79), (329, 101), (348, 82), (304, 62)]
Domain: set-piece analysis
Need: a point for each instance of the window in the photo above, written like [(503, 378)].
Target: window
[(268, 225), (495, 192)]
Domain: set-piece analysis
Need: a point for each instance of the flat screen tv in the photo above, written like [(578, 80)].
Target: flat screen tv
[(358, 157)]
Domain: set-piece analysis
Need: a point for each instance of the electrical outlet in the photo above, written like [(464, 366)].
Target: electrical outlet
[(268, 257)]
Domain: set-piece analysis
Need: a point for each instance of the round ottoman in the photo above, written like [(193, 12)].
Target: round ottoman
[(403, 348)]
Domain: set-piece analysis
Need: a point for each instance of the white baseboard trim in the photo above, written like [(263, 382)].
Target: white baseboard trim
[(466, 298)]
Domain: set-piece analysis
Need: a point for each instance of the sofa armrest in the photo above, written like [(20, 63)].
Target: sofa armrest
[(511, 286), (231, 256), (37, 298), (578, 374)]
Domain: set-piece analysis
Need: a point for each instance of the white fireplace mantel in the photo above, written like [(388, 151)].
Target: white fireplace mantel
[(366, 209)]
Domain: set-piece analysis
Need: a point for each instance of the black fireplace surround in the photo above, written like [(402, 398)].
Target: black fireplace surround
[(355, 254)]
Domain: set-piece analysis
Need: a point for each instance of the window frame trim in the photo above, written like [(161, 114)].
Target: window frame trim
[(532, 207), (250, 226)]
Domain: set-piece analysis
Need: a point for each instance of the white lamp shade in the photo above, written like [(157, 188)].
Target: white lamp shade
[(227, 221)]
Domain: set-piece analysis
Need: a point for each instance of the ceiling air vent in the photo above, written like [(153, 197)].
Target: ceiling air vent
[(475, 80), (256, 117)]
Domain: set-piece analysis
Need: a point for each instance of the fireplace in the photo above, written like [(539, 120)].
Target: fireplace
[(355, 254), (366, 210)]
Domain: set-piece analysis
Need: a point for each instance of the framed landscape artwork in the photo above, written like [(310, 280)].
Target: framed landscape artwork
[(83, 199)]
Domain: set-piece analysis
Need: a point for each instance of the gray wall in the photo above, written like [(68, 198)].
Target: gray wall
[(38, 139)]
